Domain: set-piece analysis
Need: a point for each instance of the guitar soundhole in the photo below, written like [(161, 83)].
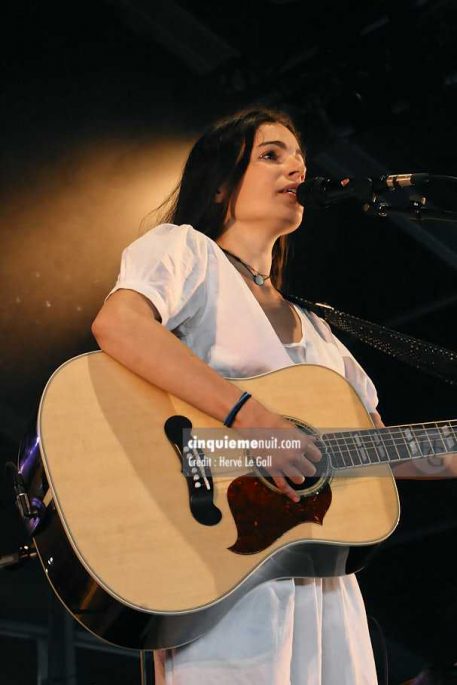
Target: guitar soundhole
[(313, 484), (262, 514)]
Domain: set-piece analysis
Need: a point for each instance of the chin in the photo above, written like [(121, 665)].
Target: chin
[(290, 227)]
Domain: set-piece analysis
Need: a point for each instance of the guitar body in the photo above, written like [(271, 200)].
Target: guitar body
[(116, 536)]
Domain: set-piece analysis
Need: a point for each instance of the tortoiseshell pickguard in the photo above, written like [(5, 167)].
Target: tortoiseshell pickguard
[(262, 515)]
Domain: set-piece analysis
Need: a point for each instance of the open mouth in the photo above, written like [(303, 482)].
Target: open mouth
[(291, 192), (290, 189)]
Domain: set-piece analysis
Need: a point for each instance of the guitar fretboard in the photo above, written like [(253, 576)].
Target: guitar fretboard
[(393, 444)]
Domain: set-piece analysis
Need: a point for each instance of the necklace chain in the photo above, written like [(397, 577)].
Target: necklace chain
[(257, 277)]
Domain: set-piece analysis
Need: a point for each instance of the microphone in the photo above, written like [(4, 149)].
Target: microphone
[(325, 192), (395, 181)]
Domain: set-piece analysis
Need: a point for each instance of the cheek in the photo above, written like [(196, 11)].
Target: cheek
[(248, 194), (258, 185), (255, 191)]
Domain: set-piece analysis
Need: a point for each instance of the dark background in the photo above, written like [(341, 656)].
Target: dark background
[(100, 101)]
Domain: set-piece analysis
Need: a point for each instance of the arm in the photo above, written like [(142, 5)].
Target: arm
[(377, 421), (128, 328), (412, 470)]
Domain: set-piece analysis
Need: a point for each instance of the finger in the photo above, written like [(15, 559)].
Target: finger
[(285, 488), (309, 448), (294, 474), (301, 463), (312, 452)]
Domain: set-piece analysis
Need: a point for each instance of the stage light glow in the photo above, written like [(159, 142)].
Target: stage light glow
[(61, 240)]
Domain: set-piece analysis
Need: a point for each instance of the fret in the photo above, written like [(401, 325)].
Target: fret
[(392, 444), (361, 449), (454, 435), (380, 447), (370, 446), (439, 444), (351, 445), (408, 446), (345, 449), (430, 441), (338, 457), (352, 449), (449, 438), (412, 444), (428, 445)]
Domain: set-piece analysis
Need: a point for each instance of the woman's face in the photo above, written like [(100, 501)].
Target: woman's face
[(266, 192)]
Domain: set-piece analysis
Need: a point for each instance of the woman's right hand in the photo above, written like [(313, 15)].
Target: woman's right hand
[(294, 463)]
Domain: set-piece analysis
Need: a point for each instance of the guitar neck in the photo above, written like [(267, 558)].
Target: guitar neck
[(390, 445)]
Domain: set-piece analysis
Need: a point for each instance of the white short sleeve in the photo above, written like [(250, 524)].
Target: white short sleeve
[(358, 378), (353, 372), (168, 266)]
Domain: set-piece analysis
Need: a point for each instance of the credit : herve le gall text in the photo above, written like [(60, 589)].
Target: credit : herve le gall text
[(221, 461)]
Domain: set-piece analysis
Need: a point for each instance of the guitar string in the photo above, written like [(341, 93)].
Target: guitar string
[(442, 422), (346, 460), (394, 432), (352, 449), (362, 440), (437, 444), (357, 459), (388, 441)]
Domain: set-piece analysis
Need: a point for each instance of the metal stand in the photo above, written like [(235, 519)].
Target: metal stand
[(416, 210), (147, 668), (61, 646)]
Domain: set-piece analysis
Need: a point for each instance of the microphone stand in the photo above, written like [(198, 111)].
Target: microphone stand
[(415, 211), (325, 192)]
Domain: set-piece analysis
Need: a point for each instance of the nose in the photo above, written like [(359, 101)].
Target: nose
[(297, 169)]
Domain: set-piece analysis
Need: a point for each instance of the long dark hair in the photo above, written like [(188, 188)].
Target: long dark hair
[(219, 159)]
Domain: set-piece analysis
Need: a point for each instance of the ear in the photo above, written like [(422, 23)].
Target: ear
[(220, 195)]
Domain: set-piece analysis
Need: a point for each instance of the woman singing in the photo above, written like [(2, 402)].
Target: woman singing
[(198, 299)]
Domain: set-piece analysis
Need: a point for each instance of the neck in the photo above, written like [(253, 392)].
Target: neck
[(392, 444), (249, 244)]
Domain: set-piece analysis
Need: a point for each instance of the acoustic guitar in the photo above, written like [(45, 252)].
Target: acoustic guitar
[(148, 546)]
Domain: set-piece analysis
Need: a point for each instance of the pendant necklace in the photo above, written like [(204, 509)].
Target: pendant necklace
[(257, 277)]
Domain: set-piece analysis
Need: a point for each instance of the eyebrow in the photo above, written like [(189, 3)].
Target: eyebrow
[(282, 145)]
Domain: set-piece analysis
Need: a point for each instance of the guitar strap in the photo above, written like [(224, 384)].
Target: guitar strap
[(432, 359)]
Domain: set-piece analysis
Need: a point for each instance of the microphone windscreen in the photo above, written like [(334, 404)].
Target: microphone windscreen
[(312, 191)]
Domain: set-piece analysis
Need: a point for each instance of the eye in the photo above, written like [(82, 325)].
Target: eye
[(270, 154)]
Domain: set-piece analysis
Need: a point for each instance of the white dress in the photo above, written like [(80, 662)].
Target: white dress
[(303, 632)]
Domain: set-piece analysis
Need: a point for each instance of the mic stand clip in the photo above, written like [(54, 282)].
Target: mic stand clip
[(416, 210)]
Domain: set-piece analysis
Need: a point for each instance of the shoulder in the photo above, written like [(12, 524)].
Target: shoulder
[(171, 236), (168, 265), (170, 247)]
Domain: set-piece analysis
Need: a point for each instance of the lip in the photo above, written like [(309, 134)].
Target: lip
[(290, 187), (290, 191)]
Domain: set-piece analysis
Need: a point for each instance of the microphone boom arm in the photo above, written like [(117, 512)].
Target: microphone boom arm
[(324, 192), (415, 211)]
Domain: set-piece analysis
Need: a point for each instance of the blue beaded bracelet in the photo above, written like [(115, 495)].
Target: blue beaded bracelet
[(229, 419)]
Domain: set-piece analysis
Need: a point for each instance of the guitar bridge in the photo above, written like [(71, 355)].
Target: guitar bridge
[(199, 478)]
